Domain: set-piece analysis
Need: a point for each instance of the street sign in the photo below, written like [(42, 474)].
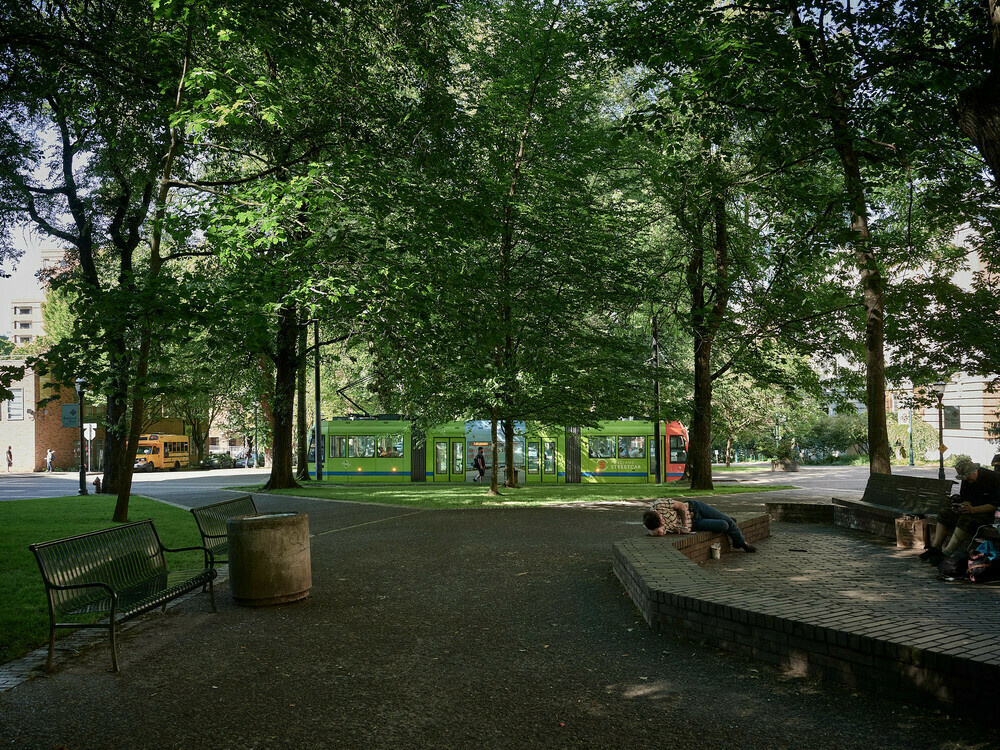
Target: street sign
[(89, 430), (70, 415), (943, 448)]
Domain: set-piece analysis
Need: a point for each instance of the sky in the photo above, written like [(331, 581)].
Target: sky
[(22, 284)]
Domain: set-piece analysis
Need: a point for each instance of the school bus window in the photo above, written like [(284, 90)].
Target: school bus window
[(632, 447), (601, 446)]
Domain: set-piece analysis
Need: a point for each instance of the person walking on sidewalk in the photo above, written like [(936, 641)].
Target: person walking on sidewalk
[(10, 458), (686, 516), (977, 501), (479, 464), (48, 460)]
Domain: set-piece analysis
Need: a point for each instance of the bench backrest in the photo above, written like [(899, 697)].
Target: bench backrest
[(211, 519), (914, 494), (121, 556)]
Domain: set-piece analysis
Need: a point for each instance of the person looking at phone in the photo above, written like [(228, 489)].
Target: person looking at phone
[(977, 500)]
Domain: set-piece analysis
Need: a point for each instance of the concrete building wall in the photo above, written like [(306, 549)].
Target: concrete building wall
[(17, 424)]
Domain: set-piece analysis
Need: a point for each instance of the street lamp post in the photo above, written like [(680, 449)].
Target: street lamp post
[(911, 434), (938, 389), (81, 387)]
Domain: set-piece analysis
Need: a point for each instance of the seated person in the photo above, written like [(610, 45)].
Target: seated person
[(978, 499), (686, 516)]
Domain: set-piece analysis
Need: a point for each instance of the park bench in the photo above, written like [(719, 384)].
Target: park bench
[(211, 520), (889, 496), (121, 571)]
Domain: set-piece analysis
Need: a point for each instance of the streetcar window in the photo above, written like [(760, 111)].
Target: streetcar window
[(518, 451), (361, 446), (549, 457), (390, 446), (632, 447), (532, 457), (678, 451), (338, 446), (601, 446)]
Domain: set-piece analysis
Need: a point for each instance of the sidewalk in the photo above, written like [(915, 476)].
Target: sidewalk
[(463, 629)]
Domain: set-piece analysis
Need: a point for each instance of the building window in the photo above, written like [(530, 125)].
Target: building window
[(15, 407), (21, 324), (22, 311), (952, 418)]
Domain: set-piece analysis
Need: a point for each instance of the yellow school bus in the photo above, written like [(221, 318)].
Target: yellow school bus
[(162, 452)]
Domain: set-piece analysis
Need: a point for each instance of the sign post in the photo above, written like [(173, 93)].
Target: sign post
[(89, 431)]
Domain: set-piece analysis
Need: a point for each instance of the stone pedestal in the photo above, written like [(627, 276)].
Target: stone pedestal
[(269, 558)]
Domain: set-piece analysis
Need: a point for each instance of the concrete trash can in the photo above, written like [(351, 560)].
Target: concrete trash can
[(269, 558)]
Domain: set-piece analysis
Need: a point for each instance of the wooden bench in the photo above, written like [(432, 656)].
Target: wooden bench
[(889, 496), (121, 571), (211, 520)]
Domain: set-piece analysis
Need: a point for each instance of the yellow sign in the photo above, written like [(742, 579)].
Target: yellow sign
[(942, 447)]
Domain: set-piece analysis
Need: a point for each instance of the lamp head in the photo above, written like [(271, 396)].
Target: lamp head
[(938, 388), (81, 385)]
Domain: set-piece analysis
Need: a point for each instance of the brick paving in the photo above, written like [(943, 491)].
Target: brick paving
[(860, 573)]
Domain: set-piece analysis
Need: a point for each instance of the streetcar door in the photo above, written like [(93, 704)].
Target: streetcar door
[(532, 463), (549, 472), (441, 461), (457, 464)]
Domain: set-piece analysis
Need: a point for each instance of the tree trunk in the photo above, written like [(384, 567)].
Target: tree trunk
[(979, 106), (508, 428), (872, 288), (494, 484), (729, 451), (116, 426), (700, 434), (302, 420), (286, 366), (705, 324)]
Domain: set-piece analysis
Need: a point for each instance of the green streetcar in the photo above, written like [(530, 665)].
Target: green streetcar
[(386, 449)]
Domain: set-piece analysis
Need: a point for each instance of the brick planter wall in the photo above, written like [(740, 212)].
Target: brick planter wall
[(800, 512), (935, 665)]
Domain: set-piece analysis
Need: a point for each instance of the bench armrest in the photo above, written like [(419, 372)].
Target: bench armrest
[(206, 550), (98, 584)]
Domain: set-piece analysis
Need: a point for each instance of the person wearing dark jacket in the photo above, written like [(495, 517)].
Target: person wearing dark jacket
[(977, 501)]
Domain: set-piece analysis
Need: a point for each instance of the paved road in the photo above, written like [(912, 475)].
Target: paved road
[(496, 628), (171, 486), (179, 487)]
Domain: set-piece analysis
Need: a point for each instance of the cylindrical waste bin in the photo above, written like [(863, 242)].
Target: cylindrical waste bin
[(269, 560)]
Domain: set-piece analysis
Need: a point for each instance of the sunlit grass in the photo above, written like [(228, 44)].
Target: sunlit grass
[(450, 496), (24, 617)]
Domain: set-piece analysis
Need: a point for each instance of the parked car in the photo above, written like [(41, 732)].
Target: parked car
[(241, 462), (218, 461)]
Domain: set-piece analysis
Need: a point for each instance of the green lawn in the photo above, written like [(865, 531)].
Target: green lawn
[(24, 617), (445, 496)]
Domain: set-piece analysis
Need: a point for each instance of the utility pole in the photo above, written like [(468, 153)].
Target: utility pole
[(319, 420), (657, 463)]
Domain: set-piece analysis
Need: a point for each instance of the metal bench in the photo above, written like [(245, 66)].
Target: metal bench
[(211, 520), (889, 496), (121, 571)]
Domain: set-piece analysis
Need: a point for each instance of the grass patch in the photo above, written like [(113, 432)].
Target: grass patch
[(24, 617), (451, 496)]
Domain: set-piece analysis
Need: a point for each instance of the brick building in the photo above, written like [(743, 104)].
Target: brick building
[(31, 431)]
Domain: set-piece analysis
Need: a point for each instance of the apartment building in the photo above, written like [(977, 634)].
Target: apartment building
[(26, 323)]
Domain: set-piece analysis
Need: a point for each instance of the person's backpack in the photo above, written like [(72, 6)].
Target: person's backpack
[(982, 561), (954, 566)]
